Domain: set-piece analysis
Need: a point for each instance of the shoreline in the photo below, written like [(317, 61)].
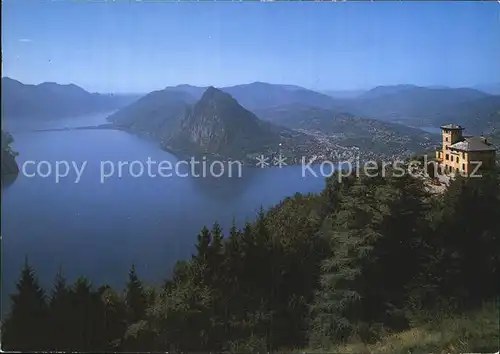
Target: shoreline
[(210, 158), (247, 162)]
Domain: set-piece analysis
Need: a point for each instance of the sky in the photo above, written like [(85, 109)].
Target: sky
[(139, 46)]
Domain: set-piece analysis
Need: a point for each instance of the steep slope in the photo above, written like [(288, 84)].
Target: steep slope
[(218, 125), (51, 100), (155, 114)]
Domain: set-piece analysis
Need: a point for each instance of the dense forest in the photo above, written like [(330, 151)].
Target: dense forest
[(364, 258)]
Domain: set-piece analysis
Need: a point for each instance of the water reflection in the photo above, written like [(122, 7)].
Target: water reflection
[(231, 185), (8, 180)]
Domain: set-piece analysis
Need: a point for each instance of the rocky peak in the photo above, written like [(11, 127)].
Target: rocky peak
[(218, 124), (213, 94)]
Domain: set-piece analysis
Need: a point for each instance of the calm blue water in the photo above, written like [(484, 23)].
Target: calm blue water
[(432, 130), (99, 229)]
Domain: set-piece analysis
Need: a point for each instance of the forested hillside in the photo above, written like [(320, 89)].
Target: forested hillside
[(365, 259), (9, 164)]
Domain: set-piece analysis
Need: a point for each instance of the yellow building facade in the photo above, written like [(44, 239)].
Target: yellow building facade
[(461, 154)]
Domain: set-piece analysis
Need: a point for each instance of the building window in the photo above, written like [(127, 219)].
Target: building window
[(463, 166), (447, 157), (457, 158), (446, 139), (463, 155)]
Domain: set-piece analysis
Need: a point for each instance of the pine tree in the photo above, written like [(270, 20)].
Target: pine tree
[(200, 264), (466, 239), (232, 268), (87, 318), (135, 297), (115, 317), (216, 256), (343, 305), (60, 314), (204, 241), (26, 326), (247, 239), (232, 256), (60, 291), (217, 237)]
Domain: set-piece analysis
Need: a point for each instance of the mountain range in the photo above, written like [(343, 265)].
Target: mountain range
[(213, 125), (260, 95), (50, 100), (406, 104), (253, 118), (419, 106), (409, 105), (217, 123)]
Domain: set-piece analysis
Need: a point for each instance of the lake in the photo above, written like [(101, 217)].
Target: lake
[(99, 229), (431, 130)]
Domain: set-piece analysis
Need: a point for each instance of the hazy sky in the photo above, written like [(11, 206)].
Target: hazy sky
[(127, 46)]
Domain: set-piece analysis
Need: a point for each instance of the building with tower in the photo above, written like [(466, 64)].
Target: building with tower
[(461, 154)]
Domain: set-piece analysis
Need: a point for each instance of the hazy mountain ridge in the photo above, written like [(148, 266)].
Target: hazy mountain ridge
[(477, 116), (409, 105), (491, 88), (195, 91), (156, 113), (227, 121), (381, 91), (419, 106), (52, 100), (343, 94), (262, 95)]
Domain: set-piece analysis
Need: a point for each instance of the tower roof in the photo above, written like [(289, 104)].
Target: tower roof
[(452, 127)]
